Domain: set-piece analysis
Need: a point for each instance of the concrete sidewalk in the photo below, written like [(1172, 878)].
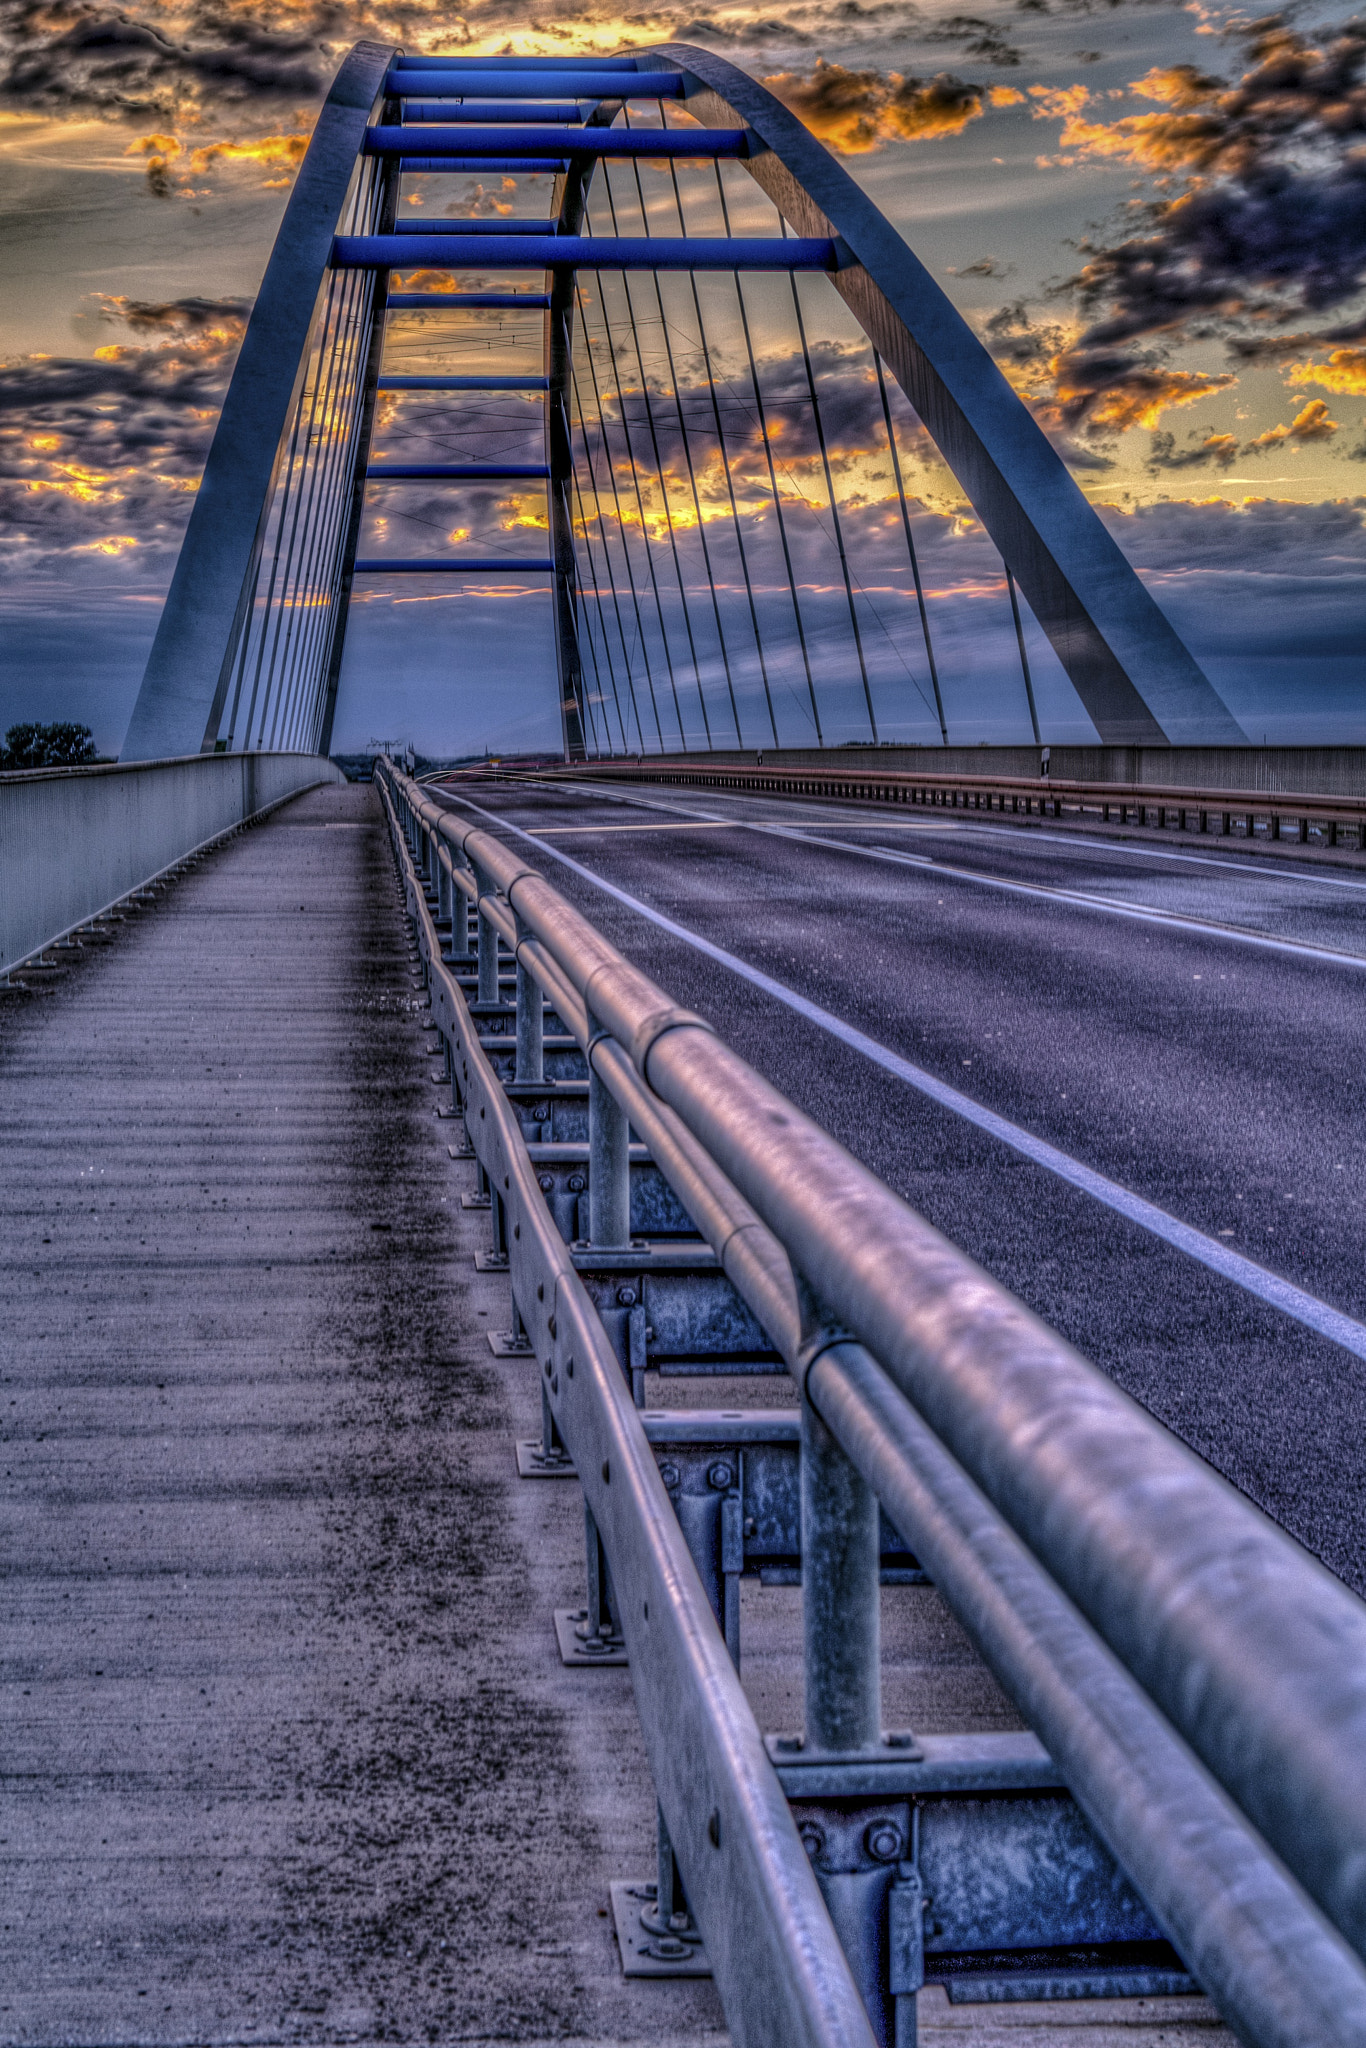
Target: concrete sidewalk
[(289, 1753)]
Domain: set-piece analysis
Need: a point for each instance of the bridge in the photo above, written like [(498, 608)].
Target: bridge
[(709, 1388)]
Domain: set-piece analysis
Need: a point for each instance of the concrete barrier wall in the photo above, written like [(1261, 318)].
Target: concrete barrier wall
[(1299, 771), (74, 840)]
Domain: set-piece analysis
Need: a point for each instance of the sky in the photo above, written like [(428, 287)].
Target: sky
[(1154, 215)]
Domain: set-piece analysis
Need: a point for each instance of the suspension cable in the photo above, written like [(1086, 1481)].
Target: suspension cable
[(910, 544)]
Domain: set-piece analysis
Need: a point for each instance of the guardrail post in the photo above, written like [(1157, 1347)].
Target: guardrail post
[(609, 1164), (488, 943), (445, 890), (841, 1620), (530, 1024)]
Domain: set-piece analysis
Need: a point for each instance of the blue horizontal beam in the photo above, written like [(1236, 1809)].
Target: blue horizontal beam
[(413, 165), (423, 302), (390, 140), (556, 111), (417, 62), (463, 472), (463, 384), (587, 252), (453, 565), (587, 83), (474, 227)]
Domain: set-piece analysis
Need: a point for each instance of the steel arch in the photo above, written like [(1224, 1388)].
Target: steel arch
[(1135, 678)]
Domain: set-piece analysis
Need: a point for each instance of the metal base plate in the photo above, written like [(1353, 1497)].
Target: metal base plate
[(475, 1202), (490, 1262), (572, 1651), (532, 1463), (507, 1344), (629, 1901)]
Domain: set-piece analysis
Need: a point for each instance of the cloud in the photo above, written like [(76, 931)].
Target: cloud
[(1216, 451), (1092, 392), (1264, 212), (1312, 424), (68, 55), (101, 455), (976, 38), (1344, 371), (857, 111)]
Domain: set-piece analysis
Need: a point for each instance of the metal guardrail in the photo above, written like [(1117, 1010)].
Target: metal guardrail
[(1198, 1681), (75, 842), (1281, 817)]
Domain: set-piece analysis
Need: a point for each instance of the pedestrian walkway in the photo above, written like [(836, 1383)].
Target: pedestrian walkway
[(288, 1753)]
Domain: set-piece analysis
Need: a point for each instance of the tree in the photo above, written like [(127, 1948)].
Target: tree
[(48, 746)]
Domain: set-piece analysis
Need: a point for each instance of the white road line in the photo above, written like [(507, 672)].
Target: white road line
[(1077, 899), (1218, 1258)]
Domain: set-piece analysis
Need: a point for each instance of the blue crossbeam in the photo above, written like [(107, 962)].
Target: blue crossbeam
[(417, 62), (423, 302), (586, 252), (389, 140), (474, 227), (452, 565), (557, 111), (463, 472), (588, 83), (463, 383), (414, 165)]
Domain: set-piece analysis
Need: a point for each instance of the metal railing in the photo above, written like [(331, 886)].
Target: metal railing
[(1279, 817), (1198, 1681)]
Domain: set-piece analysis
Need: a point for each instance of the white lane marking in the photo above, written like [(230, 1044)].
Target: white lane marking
[(975, 826), (1218, 1258), (1107, 906), (582, 831)]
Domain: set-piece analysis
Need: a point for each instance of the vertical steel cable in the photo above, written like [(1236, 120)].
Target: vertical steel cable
[(1024, 658), (282, 515), (602, 622), (329, 474), (730, 484), (910, 544), (772, 476), (621, 528), (640, 507), (687, 456), (304, 474), (834, 503), (347, 409), (654, 444), (611, 581)]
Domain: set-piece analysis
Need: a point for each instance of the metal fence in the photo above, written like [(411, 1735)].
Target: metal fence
[(1196, 1681)]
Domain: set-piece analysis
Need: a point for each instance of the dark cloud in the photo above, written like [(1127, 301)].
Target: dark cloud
[(1216, 451), (1265, 212), (100, 455), (855, 111), (975, 38), (73, 56)]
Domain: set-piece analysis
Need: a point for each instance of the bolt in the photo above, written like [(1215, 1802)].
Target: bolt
[(882, 1840), (669, 1474), (813, 1838), (546, 1183), (577, 1183), (720, 1475), (626, 1296)]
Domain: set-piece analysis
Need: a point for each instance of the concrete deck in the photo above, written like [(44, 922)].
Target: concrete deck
[(289, 1755)]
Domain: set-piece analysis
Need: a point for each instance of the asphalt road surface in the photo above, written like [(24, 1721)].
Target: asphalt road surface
[(1183, 1029)]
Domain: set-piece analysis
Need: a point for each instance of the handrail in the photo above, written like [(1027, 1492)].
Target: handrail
[(773, 1952), (1044, 796), (1198, 1678)]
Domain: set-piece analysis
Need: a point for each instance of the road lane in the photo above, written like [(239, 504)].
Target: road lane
[(1222, 1084)]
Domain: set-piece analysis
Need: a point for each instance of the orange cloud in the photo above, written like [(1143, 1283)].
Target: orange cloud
[(1137, 396), (1312, 424), (264, 149), (1005, 96), (857, 111), (1344, 371)]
